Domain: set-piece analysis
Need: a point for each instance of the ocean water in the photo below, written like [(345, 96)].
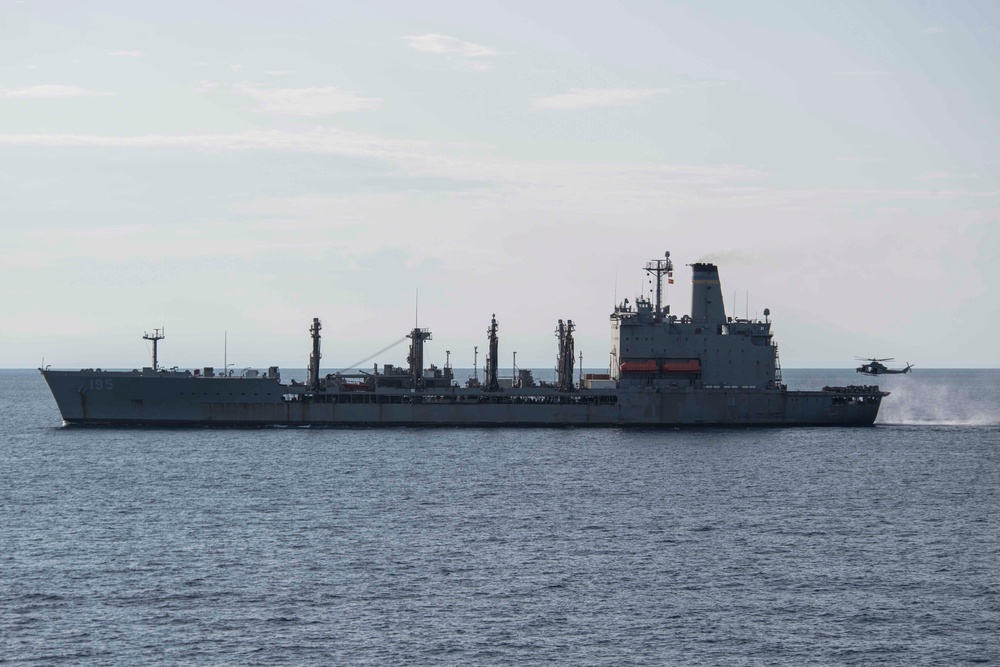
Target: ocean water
[(813, 546)]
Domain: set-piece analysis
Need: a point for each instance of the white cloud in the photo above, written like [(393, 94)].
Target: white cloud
[(943, 176), (279, 72), (471, 56), (475, 65), (445, 44), (325, 142), (48, 91), (310, 101), (598, 98), (206, 87), (123, 53), (858, 158), (550, 185), (482, 180), (871, 72)]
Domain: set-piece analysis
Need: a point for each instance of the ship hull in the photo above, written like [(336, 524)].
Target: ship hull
[(103, 398)]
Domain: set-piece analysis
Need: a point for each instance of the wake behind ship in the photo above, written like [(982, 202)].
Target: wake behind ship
[(700, 369)]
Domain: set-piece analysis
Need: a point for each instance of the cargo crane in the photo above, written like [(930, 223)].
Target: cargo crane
[(564, 361), (314, 356), (492, 380)]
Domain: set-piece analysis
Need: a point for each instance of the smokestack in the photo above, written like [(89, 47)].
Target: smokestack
[(707, 306)]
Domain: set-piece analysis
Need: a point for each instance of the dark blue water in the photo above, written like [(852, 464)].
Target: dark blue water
[(507, 547)]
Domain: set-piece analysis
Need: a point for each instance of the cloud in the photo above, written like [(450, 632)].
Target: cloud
[(551, 183), (206, 87), (459, 162), (445, 44), (122, 53), (311, 101), (475, 65), (49, 91), (943, 176), (557, 186), (598, 98), (870, 72), (279, 72), (471, 55), (322, 141)]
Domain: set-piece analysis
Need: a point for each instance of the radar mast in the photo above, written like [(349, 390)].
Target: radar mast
[(156, 336), (659, 267)]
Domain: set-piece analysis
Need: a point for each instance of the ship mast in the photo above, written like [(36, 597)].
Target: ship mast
[(492, 381), (157, 335), (416, 357), (315, 356), (659, 267), (564, 362)]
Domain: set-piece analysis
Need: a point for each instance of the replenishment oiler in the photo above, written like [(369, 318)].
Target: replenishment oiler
[(695, 370)]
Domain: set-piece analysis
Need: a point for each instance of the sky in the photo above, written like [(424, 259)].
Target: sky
[(229, 170)]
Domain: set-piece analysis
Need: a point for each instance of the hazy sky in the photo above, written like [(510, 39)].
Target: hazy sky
[(243, 167)]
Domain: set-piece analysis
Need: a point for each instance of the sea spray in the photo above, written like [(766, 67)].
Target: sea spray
[(942, 397)]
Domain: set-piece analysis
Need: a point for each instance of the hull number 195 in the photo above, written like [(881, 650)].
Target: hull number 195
[(100, 383)]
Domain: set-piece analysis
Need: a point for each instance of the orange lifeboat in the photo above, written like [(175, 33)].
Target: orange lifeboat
[(682, 366), (648, 366)]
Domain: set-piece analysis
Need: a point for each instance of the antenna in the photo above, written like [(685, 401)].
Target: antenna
[(416, 308)]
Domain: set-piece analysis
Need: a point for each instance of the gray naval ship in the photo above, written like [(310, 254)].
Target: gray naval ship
[(699, 369)]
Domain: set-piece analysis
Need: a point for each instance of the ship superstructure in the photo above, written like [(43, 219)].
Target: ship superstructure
[(704, 349), (705, 368)]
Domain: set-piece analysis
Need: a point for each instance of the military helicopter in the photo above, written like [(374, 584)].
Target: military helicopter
[(876, 367)]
